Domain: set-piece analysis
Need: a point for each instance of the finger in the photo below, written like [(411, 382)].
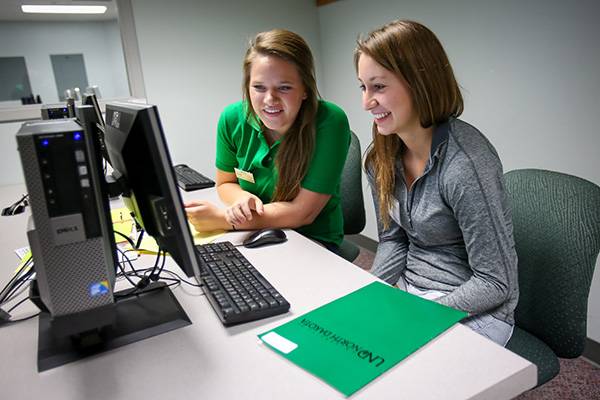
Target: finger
[(229, 217), (192, 203), (239, 215), (246, 211), (195, 210), (259, 207)]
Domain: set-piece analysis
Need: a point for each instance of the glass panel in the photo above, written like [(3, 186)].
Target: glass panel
[(14, 84), (69, 74), (36, 37)]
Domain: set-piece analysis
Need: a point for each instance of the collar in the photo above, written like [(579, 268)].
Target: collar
[(440, 136), (252, 120)]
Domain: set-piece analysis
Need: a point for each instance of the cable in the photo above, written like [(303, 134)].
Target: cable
[(127, 238), (16, 282), (17, 294), (183, 280), (15, 277), (18, 304), (139, 239), (17, 207), (129, 262)]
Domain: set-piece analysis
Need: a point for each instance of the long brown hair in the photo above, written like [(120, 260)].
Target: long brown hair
[(296, 148), (412, 52)]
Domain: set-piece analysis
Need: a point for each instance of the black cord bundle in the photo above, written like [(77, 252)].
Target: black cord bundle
[(17, 207), (13, 289)]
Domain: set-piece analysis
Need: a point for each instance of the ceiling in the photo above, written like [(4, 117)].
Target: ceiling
[(10, 10)]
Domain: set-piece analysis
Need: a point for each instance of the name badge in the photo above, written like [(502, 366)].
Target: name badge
[(244, 175)]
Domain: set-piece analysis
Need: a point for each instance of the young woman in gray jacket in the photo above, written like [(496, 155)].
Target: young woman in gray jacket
[(445, 229)]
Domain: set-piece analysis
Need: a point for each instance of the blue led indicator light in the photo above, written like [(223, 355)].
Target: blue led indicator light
[(45, 142), (77, 136)]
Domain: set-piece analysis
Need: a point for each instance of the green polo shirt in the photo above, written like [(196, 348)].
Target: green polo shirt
[(241, 145)]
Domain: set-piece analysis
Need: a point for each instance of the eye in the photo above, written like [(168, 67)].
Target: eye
[(362, 87), (379, 87), (259, 88), (285, 88)]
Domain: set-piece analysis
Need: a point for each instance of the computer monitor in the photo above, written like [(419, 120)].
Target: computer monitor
[(96, 122), (90, 99), (139, 156)]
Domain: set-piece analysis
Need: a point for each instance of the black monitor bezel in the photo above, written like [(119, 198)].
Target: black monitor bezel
[(144, 125)]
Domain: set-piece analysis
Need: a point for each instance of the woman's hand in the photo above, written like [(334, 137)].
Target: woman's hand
[(205, 216), (241, 210)]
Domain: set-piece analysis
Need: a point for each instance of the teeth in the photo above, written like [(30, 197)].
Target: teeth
[(272, 110), (381, 115)]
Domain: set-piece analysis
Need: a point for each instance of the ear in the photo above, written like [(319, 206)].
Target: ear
[(304, 96)]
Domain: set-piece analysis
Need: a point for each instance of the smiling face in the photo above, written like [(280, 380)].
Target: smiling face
[(387, 97), (276, 92)]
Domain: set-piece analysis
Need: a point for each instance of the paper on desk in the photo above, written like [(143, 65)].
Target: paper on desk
[(149, 245), (122, 223), (355, 338), (24, 254)]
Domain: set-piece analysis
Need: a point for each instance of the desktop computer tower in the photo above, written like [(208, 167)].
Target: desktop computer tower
[(69, 232), (55, 111)]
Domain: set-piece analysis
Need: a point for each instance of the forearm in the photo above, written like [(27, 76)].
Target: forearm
[(476, 296), (281, 214), (229, 192)]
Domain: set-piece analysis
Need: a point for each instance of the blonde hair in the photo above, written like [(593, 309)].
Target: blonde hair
[(296, 149), (412, 52)]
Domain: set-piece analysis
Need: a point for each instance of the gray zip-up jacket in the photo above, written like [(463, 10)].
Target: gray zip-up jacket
[(453, 231)]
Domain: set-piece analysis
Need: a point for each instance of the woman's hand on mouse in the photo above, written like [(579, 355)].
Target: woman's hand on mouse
[(241, 211), (205, 216)]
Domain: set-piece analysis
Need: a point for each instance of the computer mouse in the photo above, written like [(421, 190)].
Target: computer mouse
[(263, 237)]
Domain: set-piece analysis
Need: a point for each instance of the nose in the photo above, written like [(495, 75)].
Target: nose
[(270, 97), (368, 101)]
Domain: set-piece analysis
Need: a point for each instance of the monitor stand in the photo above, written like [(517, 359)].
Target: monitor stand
[(147, 313)]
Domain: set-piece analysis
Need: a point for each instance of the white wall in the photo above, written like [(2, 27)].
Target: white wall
[(528, 70), (99, 42), (192, 55), (10, 163)]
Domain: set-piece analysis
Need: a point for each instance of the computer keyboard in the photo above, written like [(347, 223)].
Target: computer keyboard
[(189, 179), (235, 289)]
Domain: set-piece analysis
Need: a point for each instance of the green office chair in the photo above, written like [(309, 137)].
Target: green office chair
[(352, 199), (556, 221)]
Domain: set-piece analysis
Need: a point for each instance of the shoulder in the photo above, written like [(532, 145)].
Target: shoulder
[(331, 124), (233, 112), (330, 114), (233, 121), (469, 154), (467, 145)]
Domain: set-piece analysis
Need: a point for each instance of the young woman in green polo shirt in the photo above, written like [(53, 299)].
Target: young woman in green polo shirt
[(280, 151)]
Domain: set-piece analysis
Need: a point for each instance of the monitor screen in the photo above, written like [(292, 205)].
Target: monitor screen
[(140, 159)]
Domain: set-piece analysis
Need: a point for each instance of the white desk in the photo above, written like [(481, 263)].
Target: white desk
[(208, 361)]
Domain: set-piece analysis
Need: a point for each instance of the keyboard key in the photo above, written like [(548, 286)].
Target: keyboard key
[(236, 290)]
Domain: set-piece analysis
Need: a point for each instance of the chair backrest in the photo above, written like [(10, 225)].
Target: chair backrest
[(556, 219), (351, 194)]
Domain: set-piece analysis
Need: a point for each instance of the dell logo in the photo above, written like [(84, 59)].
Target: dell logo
[(116, 119), (67, 229)]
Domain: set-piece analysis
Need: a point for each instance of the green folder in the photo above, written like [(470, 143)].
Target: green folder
[(352, 340)]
